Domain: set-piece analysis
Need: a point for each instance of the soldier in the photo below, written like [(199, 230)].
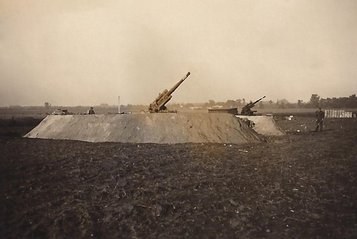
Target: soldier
[(320, 115), (91, 111)]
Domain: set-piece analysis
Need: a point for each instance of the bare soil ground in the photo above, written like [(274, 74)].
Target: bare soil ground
[(301, 185)]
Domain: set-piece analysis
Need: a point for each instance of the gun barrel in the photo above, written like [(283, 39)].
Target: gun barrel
[(258, 100), (178, 84)]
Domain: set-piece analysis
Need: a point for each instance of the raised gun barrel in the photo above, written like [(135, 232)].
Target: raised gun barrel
[(246, 110), (178, 84), (258, 100), (159, 104)]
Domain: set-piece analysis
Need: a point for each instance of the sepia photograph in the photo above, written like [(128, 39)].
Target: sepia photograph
[(178, 119)]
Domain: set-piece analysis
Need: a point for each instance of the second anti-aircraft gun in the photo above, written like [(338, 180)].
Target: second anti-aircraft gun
[(158, 106), (247, 109)]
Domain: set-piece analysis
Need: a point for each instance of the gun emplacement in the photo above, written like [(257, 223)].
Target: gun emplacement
[(246, 110), (159, 103)]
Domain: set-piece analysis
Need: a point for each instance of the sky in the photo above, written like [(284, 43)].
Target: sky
[(89, 52)]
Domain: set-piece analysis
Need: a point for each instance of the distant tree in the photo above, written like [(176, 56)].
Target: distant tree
[(47, 105), (314, 100), (283, 103), (352, 101), (211, 102), (230, 104), (239, 102), (341, 102)]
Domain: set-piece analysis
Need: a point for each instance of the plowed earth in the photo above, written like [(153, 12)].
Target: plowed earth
[(300, 185)]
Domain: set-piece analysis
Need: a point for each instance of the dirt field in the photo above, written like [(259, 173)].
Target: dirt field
[(301, 185)]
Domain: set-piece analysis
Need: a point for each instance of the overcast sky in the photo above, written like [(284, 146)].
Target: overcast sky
[(87, 52)]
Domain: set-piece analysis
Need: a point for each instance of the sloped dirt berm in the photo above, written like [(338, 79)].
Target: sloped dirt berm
[(165, 128), (264, 125)]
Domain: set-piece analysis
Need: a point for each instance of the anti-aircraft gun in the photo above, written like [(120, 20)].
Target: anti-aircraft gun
[(247, 109), (159, 103)]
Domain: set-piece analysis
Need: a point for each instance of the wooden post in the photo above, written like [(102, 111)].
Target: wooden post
[(118, 104)]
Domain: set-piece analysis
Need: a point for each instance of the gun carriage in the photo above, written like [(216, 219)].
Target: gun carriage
[(247, 109)]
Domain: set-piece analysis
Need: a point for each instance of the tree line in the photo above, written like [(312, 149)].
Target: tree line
[(314, 102)]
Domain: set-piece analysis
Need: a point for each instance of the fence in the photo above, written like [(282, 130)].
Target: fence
[(338, 114)]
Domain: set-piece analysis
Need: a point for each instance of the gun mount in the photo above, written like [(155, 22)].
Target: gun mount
[(247, 109), (159, 103)]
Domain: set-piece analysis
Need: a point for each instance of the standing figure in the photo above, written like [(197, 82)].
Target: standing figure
[(91, 111), (320, 116)]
